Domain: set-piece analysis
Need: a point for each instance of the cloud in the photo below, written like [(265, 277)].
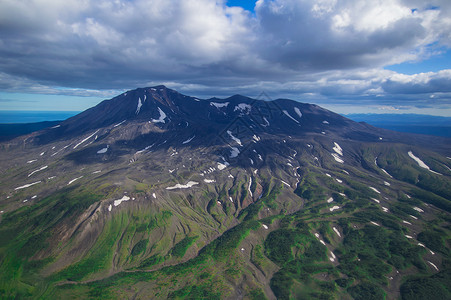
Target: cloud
[(322, 49)]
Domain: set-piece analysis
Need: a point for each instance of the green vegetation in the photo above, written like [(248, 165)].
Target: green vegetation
[(139, 247), (180, 248)]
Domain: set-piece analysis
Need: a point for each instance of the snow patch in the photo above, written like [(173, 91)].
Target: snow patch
[(289, 116), (118, 202), (103, 150), (336, 231), (375, 200), (298, 112), (334, 208), (337, 158), (339, 180), (387, 183), (325, 122), (421, 163), (110, 207), (406, 222), (31, 161), (221, 166), (374, 189), (408, 236), (237, 140), (86, 139), (230, 198), (119, 124), (138, 108), (161, 118), (384, 209), (35, 171), (265, 226), (328, 175), (432, 264), (182, 186), (374, 223), (418, 209), (243, 107), (413, 217), (75, 179), (249, 187), (42, 153), (330, 200), (26, 185), (234, 152), (338, 149), (189, 140), (286, 183), (266, 122), (55, 126), (96, 172), (154, 195), (219, 105), (387, 173), (209, 180)]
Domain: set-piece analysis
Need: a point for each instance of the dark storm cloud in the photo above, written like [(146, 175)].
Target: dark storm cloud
[(324, 48)]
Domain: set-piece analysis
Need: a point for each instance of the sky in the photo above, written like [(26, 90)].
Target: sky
[(351, 56)]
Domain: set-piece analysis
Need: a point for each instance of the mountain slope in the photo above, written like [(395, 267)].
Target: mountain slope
[(155, 194)]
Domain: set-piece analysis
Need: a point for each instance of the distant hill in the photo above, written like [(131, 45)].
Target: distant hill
[(413, 123)]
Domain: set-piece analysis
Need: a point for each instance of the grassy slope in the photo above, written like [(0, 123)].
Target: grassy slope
[(161, 252)]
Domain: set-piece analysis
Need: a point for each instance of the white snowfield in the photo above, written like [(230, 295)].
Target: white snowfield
[(337, 158), (118, 202), (189, 140), (375, 200), (140, 104), (31, 161), (298, 112), (243, 107), (339, 180), (408, 236), (103, 150), (249, 187), (384, 209), (387, 183), (418, 209), (374, 223), (221, 166), (386, 173), (374, 189), (75, 179), (289, 116), (330, 200), (219, 105), (119, 124), (161, 118), (234, 152), (35, 171), (26, 185), (86, 139), (182, 186), (421, 163), (334, 208), (110, 207), (336, 231), (432, 264), (154, 195), (209, 180), (337, 149), (406, 222), (286, 183), (237, 140), (265, 226)]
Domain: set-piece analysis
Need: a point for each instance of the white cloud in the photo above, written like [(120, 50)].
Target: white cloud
[(318, 49)]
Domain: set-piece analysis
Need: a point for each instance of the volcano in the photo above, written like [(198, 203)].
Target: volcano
[(154, 195)]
